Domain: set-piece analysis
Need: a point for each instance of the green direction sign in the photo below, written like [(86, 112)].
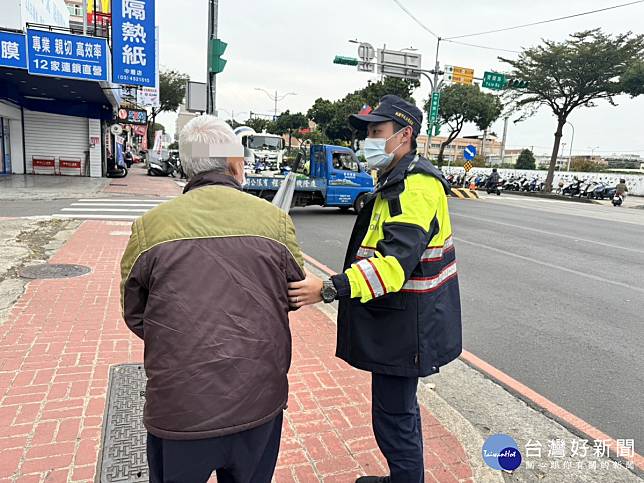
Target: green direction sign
[(216, 49), (433, 110), (494, 80), (345, 60)]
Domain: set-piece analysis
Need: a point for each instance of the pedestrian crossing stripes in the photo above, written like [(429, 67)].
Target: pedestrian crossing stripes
[(109, 208)]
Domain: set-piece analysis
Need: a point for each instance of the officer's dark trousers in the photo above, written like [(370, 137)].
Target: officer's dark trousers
[(246, 457), (396, 425)]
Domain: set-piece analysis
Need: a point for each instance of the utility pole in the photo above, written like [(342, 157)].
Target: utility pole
[(85, 17), (505, 134), (211, 88), (434, 88)]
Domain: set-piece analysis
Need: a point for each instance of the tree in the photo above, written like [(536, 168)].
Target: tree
[(564, 76), (332, 116), (259, 124), (234, 124), (633, 79), (290, 123), (172, 91), (465, 103), (526, 160), (586, 165)]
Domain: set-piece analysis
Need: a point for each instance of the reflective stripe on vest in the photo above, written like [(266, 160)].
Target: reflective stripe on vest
[(372, 277), (436, 253), (430, 284)]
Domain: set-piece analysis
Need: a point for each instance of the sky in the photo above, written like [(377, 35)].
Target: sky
[(289, 46)]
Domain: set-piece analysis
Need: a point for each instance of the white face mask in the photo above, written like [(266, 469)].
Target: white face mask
[(375, 154)]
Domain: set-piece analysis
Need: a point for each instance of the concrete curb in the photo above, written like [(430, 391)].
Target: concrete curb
[(464, 431)]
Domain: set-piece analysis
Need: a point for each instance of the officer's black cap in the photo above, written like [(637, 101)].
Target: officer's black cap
[(390, 108)]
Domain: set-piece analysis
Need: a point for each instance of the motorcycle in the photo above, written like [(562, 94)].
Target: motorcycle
[(617, 200), (114, 170), (162, 168)]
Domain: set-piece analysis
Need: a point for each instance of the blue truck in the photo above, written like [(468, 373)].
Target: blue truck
[(326, 176)]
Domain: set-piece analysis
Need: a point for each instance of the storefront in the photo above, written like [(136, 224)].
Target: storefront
[(55, 124)]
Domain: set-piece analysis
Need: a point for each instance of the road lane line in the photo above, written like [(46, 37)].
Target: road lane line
[(523, 391), (117, 205), (551, 265), (107, 210), (536, 230), (98, 217)]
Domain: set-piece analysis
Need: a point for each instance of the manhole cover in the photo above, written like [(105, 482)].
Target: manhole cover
[(50, 270), (123, 456)]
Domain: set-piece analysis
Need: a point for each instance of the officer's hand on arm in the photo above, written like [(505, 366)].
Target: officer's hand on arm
[(306, 292)]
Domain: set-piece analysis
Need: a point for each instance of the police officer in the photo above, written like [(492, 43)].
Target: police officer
[(399, 306)]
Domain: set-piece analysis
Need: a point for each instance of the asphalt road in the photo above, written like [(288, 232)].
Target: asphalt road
[(552, 294)]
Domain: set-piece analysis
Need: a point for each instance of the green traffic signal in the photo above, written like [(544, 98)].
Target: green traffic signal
[(517, 84), (216, 49), (339, 59)]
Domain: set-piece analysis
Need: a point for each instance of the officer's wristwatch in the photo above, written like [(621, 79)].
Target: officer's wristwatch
[(328, 292)]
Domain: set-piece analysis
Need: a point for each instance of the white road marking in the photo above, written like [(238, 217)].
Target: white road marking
[(108, 210), (99, 217), (551, 265), (552, 233)]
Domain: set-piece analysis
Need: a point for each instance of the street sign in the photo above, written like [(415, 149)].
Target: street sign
[(367, 67), (433, 110), (339, 59), (133, 43), (467, 166), (395, 63), (132, 116), (63, 55), (13, 50), (469, 152), (459, 75), (494, 80), (366, 52)]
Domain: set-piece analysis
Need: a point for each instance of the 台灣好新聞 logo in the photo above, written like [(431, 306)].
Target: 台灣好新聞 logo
[(501, 452)]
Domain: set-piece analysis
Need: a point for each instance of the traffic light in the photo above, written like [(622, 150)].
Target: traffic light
[(437, 129), (345, 60), (216, 49), (517, 84)]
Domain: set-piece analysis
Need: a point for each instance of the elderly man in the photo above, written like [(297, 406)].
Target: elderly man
[(204, 284)]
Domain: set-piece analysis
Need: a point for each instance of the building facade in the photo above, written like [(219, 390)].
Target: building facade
[(454, 151)]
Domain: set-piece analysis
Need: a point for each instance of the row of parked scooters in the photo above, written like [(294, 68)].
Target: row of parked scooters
[(588, 188)]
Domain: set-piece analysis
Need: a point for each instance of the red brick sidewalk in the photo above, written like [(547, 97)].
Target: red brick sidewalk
[(62, 336), (137, 182)]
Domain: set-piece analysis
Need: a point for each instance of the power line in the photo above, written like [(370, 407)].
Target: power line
[(423, 26), (481, 46), (542, 21)]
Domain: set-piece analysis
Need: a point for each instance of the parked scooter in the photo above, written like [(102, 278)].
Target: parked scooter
[(114, 171), (166, 167)]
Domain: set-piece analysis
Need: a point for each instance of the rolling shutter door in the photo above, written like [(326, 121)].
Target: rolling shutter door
[(54, 135)]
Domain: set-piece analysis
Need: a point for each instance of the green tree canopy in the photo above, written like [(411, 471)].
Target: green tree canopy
[(287, 123), (172, 91), (332, 116), (564, 76), (526, 160), (461, 104)]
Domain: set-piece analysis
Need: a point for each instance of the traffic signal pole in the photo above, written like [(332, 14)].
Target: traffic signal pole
[(434, 88), (211, 88)]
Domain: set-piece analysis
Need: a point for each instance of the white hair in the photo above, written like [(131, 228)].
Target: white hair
[(204, 129)]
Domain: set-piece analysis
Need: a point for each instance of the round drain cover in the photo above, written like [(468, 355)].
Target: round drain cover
[(47, 270)]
